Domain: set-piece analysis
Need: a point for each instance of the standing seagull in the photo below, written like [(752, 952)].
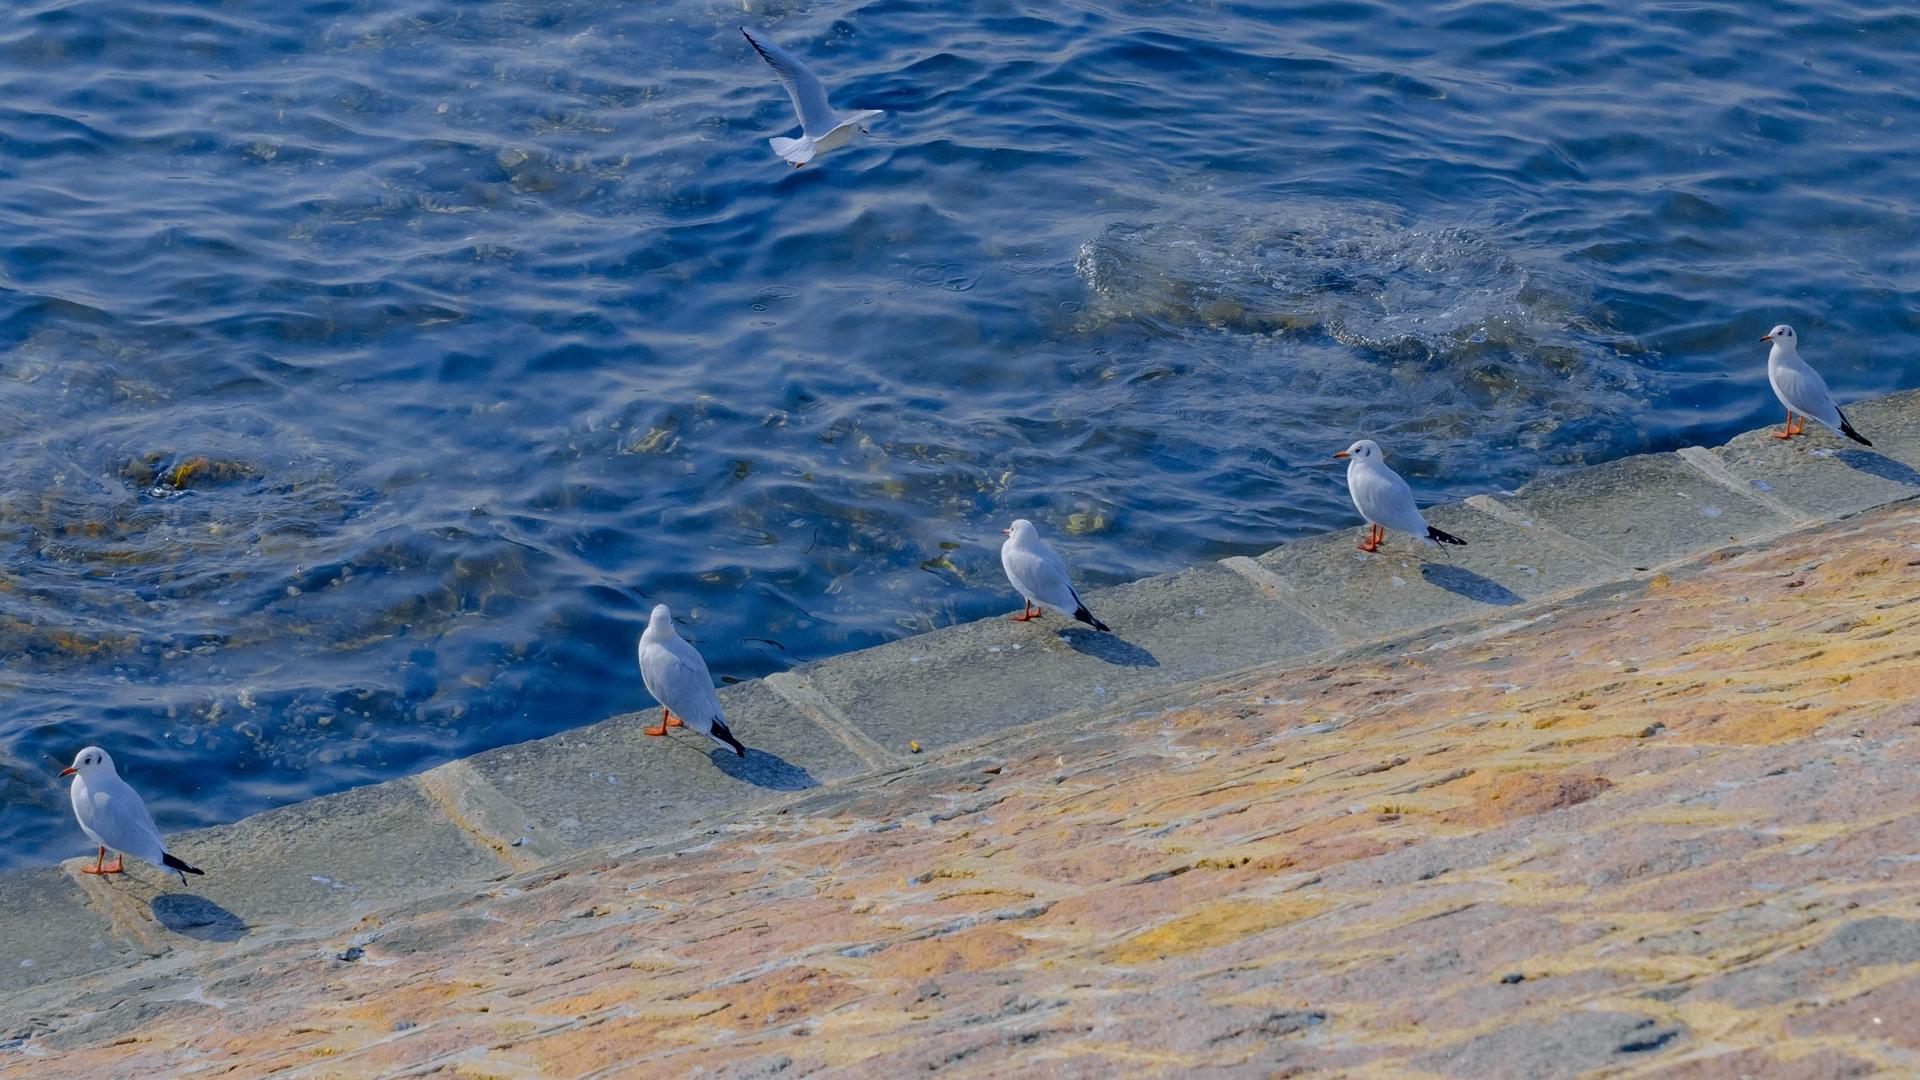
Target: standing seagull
[(1384, 499), (111, 814), (1040, 574), (678, 679), (1801, 389), (821, 129)]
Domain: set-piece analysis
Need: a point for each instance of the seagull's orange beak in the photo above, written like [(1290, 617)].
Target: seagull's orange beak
[(68, 771), (1342, 453), (1769, 337)]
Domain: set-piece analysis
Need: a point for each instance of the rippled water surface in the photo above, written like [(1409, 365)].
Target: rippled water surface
[(368, 369)]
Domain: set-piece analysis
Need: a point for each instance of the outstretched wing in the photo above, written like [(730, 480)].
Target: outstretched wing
[(1040, 574), (678, 678), (1383, 498), (803, 86)]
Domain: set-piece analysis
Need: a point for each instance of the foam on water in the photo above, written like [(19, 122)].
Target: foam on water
[(1507, 344)]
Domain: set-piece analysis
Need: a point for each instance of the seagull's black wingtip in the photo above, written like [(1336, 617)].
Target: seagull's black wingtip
[(174, 862), (1086, 616), (1444, 537), (1846, 428), (720, 732)]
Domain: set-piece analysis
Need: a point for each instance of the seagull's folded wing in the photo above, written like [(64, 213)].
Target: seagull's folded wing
[(1384, 498), (1804, 391), (122, 820), (1041, 575), (675, 674)]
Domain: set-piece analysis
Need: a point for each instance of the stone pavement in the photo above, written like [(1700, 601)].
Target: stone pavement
[(1627, 786)]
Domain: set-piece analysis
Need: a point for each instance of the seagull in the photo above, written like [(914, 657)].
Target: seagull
[(111, 814), (1384, 499), (1801, 389), (678, 679), (821, 129), (1040, 574)]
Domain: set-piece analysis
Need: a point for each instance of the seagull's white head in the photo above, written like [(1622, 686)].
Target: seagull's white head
[(1021, 530), (88, 762), (1783, 338), (1364, 450), (659, 625)]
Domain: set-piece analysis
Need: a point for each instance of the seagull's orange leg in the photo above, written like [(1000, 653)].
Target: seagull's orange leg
[(100, 864), (1791, 431), (667, 719), (1375, 534), (661, 728), (1027, 611)]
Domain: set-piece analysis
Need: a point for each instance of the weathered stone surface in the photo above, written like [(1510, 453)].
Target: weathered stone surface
[(609, 781), (331, 857), (1667, 829), (1567, 1045), (1822, 475), (965, 682), (1892, 422), (53, 935), (1406, 585), (1647, 510)]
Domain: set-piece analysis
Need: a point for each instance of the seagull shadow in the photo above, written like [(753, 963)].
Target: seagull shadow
[(1110, 648), (1880, 465), (1463, 582), (197, 917), (763, 769)]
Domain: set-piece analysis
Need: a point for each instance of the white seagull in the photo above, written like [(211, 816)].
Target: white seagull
[(821, 129), (111, 814), (1801, 389), (1384, 499), (1040, 574), (678, 679)]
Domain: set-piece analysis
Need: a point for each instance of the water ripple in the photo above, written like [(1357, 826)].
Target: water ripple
[(372, 366)]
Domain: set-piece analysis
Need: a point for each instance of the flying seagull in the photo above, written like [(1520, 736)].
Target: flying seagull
[(1384, 499), (111, 814), (678, 679), (1040, 575), (821, 129), (1801, 389)]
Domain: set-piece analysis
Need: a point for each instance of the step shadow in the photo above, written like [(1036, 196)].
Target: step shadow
[(1110, 648), (1461, 581), (197, 917), (763, 769), (1880, 465)]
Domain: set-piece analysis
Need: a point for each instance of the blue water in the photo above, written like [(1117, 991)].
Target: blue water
[(368, 369)]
